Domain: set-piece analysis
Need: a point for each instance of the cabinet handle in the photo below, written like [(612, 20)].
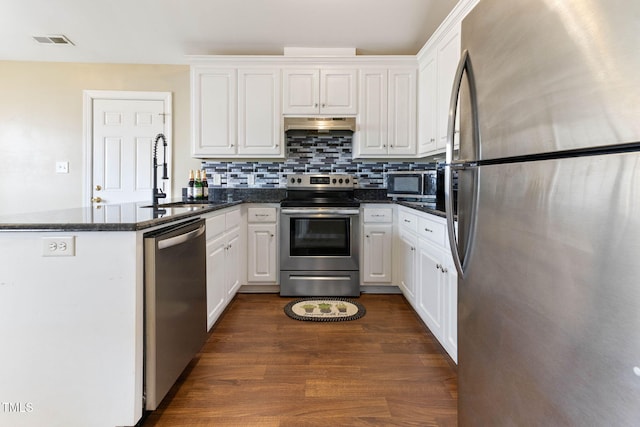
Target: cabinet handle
[(444, 270), (272, 235), (315, 105), (438, 266), (324, 105), (426, 229), (407, 220), (412, 248), (367, 236), (432, 140)]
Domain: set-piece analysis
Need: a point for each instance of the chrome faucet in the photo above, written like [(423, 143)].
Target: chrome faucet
[(157, 193)]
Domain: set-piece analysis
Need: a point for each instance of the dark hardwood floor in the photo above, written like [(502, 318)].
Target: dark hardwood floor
[(261, 368)]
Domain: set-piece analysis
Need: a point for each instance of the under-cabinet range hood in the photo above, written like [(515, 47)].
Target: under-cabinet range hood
[(320, 124)]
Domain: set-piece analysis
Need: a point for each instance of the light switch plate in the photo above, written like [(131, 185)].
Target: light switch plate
[(62, 167)]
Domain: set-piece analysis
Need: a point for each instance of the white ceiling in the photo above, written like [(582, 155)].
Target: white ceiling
[(165, 31)]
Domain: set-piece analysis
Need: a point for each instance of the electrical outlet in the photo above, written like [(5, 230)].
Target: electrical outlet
[(59, 246), (251, 179), (62, 167), (217, 179)]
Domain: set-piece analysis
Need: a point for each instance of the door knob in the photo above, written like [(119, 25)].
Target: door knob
[(98, 188), (96, 199)]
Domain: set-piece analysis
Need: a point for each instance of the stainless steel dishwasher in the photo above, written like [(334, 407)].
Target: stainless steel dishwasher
[(175, 304)]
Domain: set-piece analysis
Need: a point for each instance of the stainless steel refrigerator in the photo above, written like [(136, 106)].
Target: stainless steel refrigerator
[(548, 213)]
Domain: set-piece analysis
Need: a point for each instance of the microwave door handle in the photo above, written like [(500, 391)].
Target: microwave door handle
[(465, 167)]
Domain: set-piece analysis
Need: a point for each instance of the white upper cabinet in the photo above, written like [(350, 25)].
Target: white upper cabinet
[(213, 111), (320, 91), (372, 135), (448, 58), (437, 72), (259, 112), (387, 113), (402, 112), (236, 112), (438, 63), (428, 105)]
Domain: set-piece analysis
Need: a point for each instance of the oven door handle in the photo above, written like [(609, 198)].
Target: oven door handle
[(320, 211)]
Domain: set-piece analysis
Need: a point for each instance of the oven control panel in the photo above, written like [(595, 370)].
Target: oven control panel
[(321, 181)]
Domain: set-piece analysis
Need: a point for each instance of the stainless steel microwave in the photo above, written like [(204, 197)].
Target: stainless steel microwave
[(412, 185)]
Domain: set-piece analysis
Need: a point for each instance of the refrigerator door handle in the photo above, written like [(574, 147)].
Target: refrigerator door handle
[(463, 66)]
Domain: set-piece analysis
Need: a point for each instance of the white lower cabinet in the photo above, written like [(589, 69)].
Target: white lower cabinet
[(224, 260), (427, 276), (430, 294), (377, 241), (407, 253), (262, 245), (216, 288)]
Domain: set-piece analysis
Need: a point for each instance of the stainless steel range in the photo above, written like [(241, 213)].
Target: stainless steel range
[(319, 235)]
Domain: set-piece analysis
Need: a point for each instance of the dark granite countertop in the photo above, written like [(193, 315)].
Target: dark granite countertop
[(139, 216), (117, 217), (429, 208)]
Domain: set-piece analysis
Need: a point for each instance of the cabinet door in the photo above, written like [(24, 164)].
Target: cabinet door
[(301, 91), (427, 105), (233, 260), (371, 138), (213, 111), (216, 286), (262, 248), (450, 277), (448, 58), (259, 111), (402, 112), (408, 253), (338, 91), (377, 253), (430, 288)]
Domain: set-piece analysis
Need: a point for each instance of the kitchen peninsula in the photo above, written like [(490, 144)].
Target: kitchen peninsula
[(71, 306)]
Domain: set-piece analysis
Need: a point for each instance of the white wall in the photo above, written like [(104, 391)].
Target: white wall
[(41, 123)]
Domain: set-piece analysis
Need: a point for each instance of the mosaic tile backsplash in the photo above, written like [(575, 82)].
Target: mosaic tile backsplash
[(308, 153)]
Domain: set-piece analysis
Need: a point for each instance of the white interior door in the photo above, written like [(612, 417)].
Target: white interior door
[(124, 132)]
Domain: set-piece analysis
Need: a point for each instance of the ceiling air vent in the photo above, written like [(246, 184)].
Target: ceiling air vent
[(53, 39)]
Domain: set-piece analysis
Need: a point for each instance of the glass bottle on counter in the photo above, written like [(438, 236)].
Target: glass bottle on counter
[(191, 192), (198, 187), (205, 185)]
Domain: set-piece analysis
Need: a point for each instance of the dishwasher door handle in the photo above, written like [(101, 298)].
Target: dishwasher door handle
[(182, 238)]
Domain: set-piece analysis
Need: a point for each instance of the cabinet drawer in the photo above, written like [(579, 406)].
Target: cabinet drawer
[(434, 231), (407, 221), (378, 215), (233, 219), (215, 226), (262, 215)]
